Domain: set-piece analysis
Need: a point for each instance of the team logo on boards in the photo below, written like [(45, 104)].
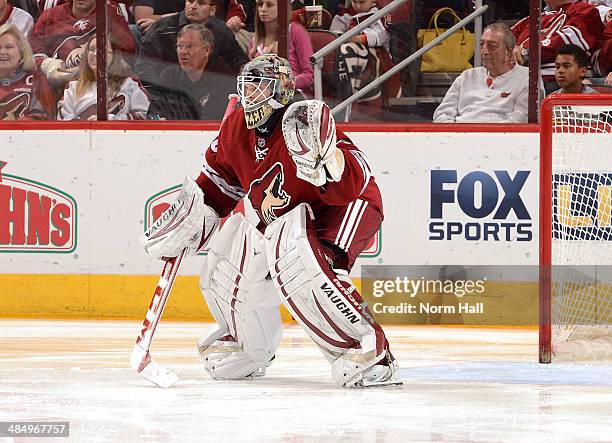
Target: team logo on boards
[(492, 203), (35, 217), (374, 246), (582, 206)]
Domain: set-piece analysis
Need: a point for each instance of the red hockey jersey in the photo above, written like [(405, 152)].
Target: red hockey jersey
[(59, 34), (241, 163), (26, 96), (122, 6), (576, 23), (604, 56)]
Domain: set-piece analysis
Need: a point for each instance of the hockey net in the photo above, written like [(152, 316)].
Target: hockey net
[(576, 228)]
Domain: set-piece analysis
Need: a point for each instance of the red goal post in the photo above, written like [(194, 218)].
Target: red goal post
[(575, 189)]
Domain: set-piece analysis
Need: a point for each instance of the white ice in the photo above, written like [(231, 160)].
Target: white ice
[(460, 385)]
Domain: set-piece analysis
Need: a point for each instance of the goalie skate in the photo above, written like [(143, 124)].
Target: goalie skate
[(381, 375)]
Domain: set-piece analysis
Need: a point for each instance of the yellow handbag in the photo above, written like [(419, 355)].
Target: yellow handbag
[(451, 55)]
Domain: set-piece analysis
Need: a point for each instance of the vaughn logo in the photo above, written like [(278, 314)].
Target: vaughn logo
[(158, 203), (35, 217)]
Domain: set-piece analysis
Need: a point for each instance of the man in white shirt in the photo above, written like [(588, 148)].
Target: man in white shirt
[(497, 92)]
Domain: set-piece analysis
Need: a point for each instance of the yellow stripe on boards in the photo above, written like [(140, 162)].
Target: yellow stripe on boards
[(98, 296), (128, 297)]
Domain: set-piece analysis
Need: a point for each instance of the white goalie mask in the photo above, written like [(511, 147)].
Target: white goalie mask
[(265, 84)]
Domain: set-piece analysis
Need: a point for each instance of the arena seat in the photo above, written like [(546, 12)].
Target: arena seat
[(319, 39)]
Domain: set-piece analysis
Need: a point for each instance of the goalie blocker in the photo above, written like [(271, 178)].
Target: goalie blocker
[(187, 223)]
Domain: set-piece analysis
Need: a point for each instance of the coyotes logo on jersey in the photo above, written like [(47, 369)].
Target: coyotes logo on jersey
[(267, 194), (81, 25), (114, 106), (14, 105), (71, 48)]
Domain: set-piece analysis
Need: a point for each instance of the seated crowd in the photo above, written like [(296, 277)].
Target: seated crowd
[(178, 60), (575, 36)]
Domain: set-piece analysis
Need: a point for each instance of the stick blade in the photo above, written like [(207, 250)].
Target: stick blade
[(142, 363), (159, 375)]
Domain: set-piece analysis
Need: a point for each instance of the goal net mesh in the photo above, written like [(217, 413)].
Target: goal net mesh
[(581, 284)]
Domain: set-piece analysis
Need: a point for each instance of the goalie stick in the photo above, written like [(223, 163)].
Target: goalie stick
[(141, 360)]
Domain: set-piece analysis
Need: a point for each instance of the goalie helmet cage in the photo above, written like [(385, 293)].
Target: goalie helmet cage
[(575, 228)]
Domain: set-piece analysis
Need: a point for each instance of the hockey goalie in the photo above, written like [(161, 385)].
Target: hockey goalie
[(311, 205)]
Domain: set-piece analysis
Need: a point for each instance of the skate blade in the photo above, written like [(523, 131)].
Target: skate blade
[(382, 384)]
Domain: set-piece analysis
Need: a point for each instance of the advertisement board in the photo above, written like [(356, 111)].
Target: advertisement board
[(74, 202)]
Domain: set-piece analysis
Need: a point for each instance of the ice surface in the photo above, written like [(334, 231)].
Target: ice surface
[(480, 385)]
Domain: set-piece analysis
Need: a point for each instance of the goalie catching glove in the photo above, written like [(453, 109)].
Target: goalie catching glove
[(309, 130), (187, 223)]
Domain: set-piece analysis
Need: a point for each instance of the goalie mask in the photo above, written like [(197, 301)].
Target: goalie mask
[(265, 84)]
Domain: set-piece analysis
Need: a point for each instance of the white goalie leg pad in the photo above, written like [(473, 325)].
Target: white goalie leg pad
[(329, 309), (242, 301), (187, 223)]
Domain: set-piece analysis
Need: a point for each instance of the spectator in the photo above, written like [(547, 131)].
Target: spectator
[(29, 6), (250, 9), (21, 19), (568, 21), (43, 5), (61, 33), (374, 35), (147, 12), (24, 91), (364, 58), (126, 99), (496, 92), (603, 58), (235, 15), (601, 2), (158, 45), (265, 41), (189, 91), (571, 66)]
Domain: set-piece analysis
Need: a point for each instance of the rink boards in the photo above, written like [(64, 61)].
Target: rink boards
[(74, 201)]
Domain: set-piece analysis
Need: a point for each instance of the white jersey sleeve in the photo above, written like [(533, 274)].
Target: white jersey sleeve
[(23, 21), (66, 108), (135, 102)]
